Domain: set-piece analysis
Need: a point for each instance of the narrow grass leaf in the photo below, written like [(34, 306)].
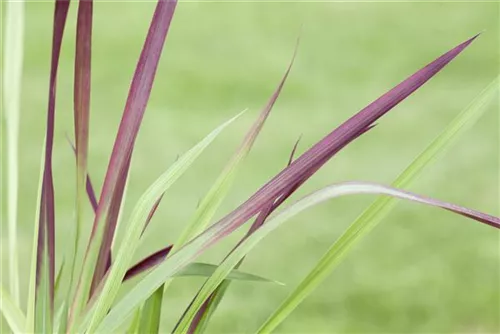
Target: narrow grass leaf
[(30, 304), (136, 224), (211, 202), (60, 319), (83, 55), (133, 328), (135, 107), (213, 199), (12, 76), (44, 293), (299, 169), (336, 190), (11, 312), (381, 207)]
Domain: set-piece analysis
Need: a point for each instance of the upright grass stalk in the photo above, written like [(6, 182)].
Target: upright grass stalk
[(44, 292), (83, 55), (12, 76)]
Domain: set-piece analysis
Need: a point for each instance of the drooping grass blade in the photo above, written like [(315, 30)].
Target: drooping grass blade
[(380, 208), (336, 190)]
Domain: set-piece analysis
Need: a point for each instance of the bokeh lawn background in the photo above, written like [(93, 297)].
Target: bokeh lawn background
[(422, 270)]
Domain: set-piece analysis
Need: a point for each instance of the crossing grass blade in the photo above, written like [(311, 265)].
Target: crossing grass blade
[(136, 224), (381, 207), (11, 312), (336, 190), (11, 78)]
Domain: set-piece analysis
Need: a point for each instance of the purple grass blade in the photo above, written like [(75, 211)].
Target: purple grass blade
[(46, 224), (294, 175), (112, 219), (88, 183), (147, 263), (357, 187), (319, 154), (82, 87), (138, 97), (83, 54)]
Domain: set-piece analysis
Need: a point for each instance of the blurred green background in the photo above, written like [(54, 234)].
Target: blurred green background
[(422, 270)]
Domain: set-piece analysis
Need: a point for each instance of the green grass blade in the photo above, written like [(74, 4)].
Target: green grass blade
[(380, 208), (81, 110), (30, 305), (59, 275), (207, 269), (211, 202), (11, 312), (61, 318), (136, 223), (219, 190), (133, 328), (150, 314), (202, 317), (43, 304), (12, 76)]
